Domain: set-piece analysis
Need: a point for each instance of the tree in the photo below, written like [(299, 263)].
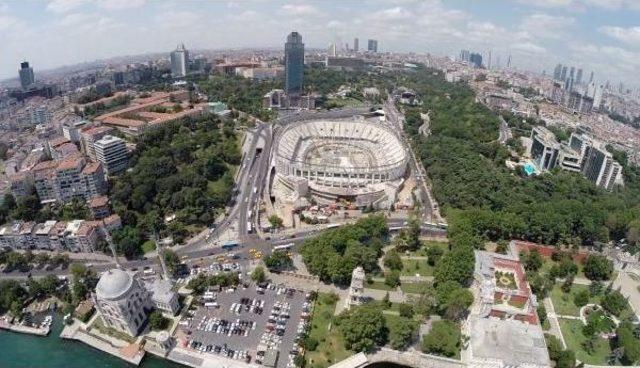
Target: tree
[(614, 302), (258, 274), (433, 254), (629, 343), (392, 278), (403, 332), (275, 221), (386, 301), (278, 260), (363, 328), (409, 238), (157, 321), (443, 339), (171, 260), (581, 298), (566, 359), (532, 260), (598, 267), (459, 301), (392, 260), (405, 310)]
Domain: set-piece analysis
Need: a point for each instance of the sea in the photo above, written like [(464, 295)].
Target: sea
[(29, 351)]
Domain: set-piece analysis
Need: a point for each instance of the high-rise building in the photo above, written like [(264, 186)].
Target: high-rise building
[(112, 153), (356, 44), (563, 75), (293, 64), (26, 75), (544, 148), (464, 55), (179, 61), (572, 73), (475, 59), (372, 45), (557, 72), (331, 51), (591, 77), (579, 77)]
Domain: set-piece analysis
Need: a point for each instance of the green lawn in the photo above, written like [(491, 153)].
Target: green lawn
[(411, 267), (563, 303), (378, 285), (330, 349), (426, 244), (413, 288), (148, 246), (573, 336)]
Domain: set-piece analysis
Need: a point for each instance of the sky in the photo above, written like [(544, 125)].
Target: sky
[(598, 35)]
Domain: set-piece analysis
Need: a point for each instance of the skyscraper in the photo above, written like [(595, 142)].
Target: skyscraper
[(332, 51), (475, 59), (372, 46), (563, 75), (293, 64), (464, 55), (557, 72), (356, 44), (572, 73), (179, 61), (26, 75), (591, 77), (579, 77)]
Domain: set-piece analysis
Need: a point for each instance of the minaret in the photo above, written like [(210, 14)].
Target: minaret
[(109, 240)]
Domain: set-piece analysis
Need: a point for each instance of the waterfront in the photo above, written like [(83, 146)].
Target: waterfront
[(27, 351)]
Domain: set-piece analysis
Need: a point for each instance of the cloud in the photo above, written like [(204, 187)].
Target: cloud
[(540, 25), (65, 6), (581, 5), (528, 47), (300, 9), (629, 35), (120, 4), (9, 22)]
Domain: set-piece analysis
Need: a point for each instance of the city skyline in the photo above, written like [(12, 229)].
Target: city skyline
[(591, 34)]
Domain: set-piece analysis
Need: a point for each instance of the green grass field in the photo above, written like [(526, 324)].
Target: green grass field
[(563, 302), (330, 349), (379, 285), (413, 288), (411, 267), (148, 246), (573, 336)]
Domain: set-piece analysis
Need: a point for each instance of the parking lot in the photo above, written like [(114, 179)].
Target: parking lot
[(245, 323)]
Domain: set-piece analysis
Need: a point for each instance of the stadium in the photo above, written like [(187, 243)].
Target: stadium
[(362, 161)]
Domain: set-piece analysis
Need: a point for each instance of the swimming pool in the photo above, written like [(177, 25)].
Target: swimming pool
[(529, 169)]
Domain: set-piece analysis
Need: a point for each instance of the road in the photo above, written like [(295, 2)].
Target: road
[(395, 118), (505, 132)]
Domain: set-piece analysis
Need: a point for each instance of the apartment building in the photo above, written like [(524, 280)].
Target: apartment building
[(89, 136), (62, 180), (74, 236), (111, 152)]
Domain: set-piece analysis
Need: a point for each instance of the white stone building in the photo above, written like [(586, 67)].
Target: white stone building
[(122, 301)]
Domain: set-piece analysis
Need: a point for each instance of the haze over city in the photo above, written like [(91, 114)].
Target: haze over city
[(599, 35), (320, 184)]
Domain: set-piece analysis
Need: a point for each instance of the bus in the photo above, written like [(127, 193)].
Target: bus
[(332, 226), (230, 244), (284, 246), (249, 227)]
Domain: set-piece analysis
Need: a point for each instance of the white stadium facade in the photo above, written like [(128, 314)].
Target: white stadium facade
[(359, 160)]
